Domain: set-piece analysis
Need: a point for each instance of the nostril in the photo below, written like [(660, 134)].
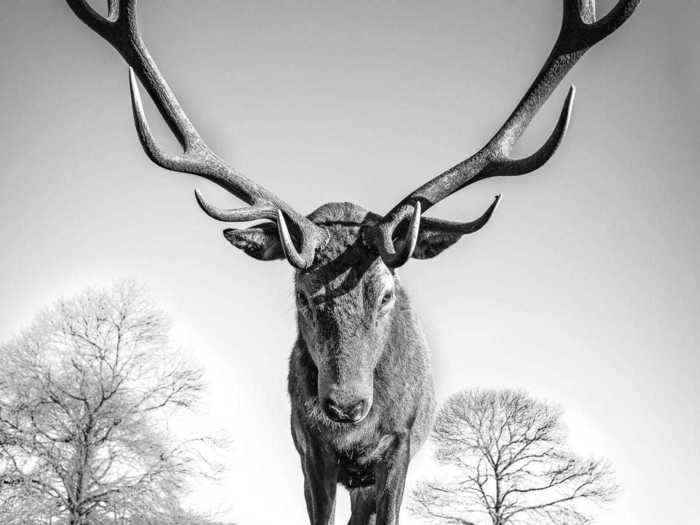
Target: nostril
[(350, 413), (356, 411), (334, 410)]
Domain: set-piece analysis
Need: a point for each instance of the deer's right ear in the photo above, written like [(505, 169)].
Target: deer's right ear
[(261, 242)]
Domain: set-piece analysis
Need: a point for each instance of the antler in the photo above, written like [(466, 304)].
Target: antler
[(120, 29), (575, 38)]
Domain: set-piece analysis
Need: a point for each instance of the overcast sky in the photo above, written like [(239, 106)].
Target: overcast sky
[(583, 289)]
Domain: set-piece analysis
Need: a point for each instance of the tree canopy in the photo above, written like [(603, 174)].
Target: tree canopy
[(505, 462), (85, 395)]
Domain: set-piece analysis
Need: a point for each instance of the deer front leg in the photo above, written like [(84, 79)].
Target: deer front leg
[(320, 481), (391, 478)]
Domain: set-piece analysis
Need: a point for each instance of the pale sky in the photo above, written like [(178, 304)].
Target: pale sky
[(583, 289)]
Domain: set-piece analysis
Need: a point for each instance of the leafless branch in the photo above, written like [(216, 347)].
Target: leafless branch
[(506, 462), (83, 397)]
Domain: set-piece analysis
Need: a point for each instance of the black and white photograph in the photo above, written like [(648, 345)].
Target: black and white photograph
[(376, 262)]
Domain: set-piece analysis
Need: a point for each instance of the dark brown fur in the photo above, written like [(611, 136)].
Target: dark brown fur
[(359, 345), (389, 355)]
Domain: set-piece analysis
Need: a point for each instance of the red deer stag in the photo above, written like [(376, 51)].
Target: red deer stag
[(359, 378)]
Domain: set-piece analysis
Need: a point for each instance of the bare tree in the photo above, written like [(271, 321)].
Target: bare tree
[(84, 397), (505, 462)]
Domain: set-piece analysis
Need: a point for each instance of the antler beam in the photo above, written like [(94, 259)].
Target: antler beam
[(575, 38), (120, 29)]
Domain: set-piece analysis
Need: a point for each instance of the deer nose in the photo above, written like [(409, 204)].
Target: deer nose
[(345, 412)]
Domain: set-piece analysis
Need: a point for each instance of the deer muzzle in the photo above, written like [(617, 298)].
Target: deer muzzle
[(347, 403)]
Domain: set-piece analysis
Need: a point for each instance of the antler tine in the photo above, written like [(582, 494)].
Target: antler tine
[(398, 258), (120, 29), (199, 160), (249, 213), (465, 227), (575, 38), (296, 258)]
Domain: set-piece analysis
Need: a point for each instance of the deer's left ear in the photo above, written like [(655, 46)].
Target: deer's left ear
[(432, 242), (436, 235), (260, 242)]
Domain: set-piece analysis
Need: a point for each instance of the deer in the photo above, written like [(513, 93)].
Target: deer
[(360, 384)]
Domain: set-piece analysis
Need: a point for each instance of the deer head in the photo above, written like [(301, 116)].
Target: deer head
[(349, 300)]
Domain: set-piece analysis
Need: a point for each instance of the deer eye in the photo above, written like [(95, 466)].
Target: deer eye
[(387, 298), (302, 300)]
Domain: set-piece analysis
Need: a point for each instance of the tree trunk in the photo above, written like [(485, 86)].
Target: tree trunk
[(76, 518)]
